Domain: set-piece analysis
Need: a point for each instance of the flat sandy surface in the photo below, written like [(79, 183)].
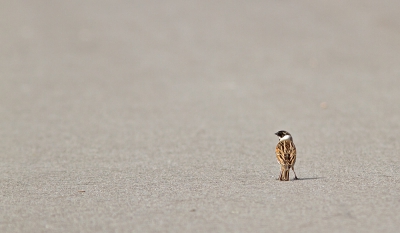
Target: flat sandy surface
[(159, 116)]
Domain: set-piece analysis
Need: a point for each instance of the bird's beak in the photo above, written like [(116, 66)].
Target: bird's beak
[(276, 133)]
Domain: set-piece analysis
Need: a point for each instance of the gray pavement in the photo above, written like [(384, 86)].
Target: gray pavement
[(150, 116)]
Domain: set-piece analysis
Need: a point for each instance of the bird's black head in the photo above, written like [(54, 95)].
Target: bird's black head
[(282, 134)]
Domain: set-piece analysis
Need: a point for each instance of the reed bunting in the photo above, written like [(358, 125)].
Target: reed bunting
[(286, 154)]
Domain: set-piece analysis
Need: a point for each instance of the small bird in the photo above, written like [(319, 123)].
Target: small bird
[(286, 154)]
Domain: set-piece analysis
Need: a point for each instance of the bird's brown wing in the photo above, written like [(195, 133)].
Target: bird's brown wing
[(286, 152)]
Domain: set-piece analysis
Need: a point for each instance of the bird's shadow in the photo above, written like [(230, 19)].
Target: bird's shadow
[(310, 178)]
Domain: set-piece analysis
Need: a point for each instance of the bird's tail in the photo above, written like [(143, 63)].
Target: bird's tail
[(284, 175)]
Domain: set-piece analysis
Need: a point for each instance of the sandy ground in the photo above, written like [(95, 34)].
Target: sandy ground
[(142, 116)]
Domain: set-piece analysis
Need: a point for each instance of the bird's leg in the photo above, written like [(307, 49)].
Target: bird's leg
[(295, 176), (280, 175)]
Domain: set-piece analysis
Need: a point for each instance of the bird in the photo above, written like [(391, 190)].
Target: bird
[(286, 154)]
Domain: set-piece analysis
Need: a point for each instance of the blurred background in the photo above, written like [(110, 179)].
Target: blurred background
[(154, 109)]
